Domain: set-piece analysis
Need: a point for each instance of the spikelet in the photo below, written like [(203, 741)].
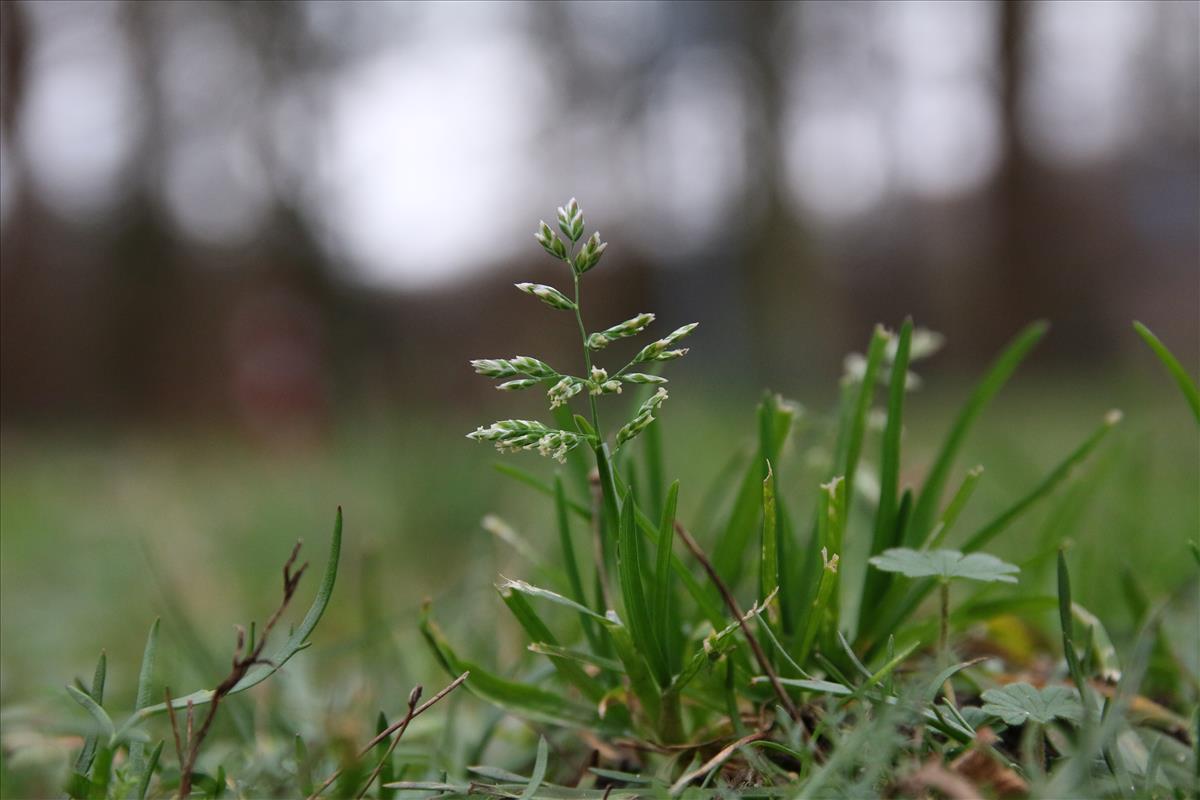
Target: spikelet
[(548, 295)]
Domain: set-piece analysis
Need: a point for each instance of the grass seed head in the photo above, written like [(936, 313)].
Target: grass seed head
[(548, 295)]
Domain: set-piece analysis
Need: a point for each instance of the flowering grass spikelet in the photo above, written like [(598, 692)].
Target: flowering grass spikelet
[(642, 377), (514, 435), (570, 220), (630, 327), (589, 253), (550, 242), (643, 417), (548, 295), (512, 367), (563, 391), (661, 349), (519, 384)]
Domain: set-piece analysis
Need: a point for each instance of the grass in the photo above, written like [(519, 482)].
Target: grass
[(770, 625)]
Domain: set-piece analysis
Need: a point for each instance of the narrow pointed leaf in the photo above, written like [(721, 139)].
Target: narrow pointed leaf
[(993, 380), (296, 641), (1185, 382), (633, 594), (539, 770), (103, 722)]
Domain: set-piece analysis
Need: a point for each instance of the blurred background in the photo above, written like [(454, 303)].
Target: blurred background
[(247, 249)]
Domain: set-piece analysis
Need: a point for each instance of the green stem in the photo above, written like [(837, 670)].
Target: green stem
[(944, 590), (587, 357)]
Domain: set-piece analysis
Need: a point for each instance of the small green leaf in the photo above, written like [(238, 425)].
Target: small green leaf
[(137, 750), (84, 761), (1018, 703), (945, 564), (93, 708), (539, 770)]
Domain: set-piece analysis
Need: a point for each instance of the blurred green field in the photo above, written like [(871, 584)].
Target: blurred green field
[(101, 534)]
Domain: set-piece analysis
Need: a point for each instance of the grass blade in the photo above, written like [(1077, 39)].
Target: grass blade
[(633, 594), (663, 610), (1067, 623), (889, 467), (538, 631), (137, 750), (899, 604), (537, 484), (655, 470), (862, 406), (1185, 382), (84, 761), (545, 594), (945, 524), (993, 380), (729, 553), (1048, 484), (702, 594), (303, 767), (889, 464), (387, 772), (517, 698), (547, 649), (152, 764), (574, 577), (768, 578)]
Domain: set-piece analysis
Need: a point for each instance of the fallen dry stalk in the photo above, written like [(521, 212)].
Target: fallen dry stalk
[(730, 601), (398, 728), (187, 746), (720, 758)]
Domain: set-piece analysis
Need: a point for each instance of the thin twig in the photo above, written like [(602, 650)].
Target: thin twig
[(784, 698), (414, 697), (241, 665), (393, 728), (174, 724), (714, 762)]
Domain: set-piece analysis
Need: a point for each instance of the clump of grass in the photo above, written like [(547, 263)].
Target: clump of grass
[(755, 652), (781, 664)]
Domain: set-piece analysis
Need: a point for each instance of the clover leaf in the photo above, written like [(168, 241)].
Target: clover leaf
[(945, 564), (1018, 703)]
